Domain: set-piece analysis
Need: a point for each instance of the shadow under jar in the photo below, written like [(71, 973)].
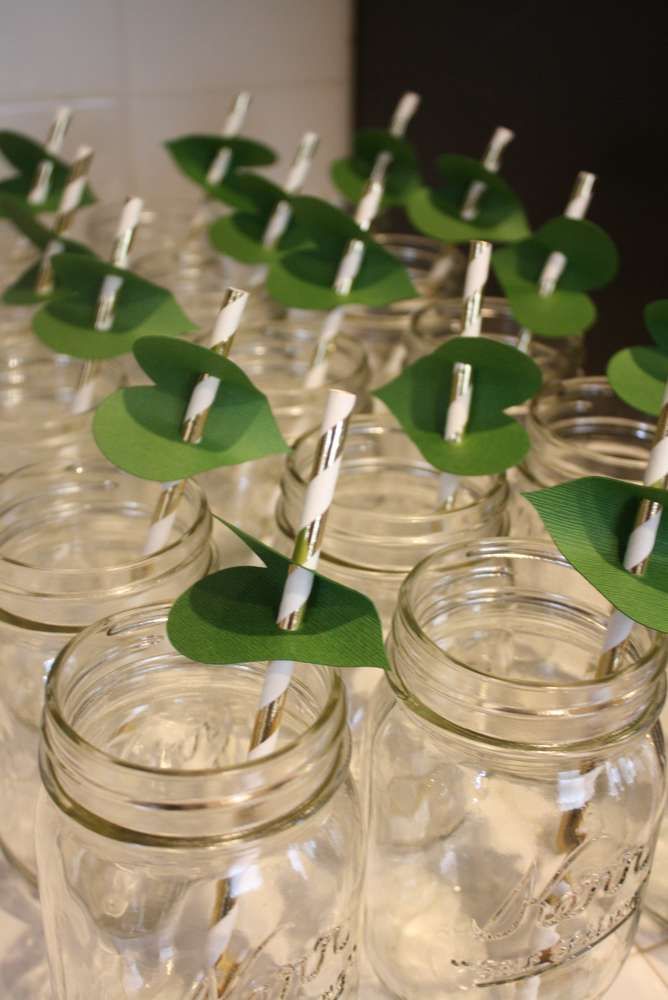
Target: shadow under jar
[(578, 427), (515, 801), (37, 389), (434, 270), (440, 321), (276, 358), (383, 520), (162, 856), (70, 552)]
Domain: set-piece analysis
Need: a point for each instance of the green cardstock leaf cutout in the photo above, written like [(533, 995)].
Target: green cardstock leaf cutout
[(436, 212), (590, 521), (25, 155), (350, 175), (230, 617), (139, 429), (639, 374), (303, 279), (502, 377), (591, 261), (194, 154), (66, 323), (22, 291), (240, 235)]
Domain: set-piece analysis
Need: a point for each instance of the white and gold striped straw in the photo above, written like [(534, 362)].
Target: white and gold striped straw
[(305, 556), (461, 386), (576, 208), (403, 113), (491, 161), (640, 544), (347, 271), (280, 217), (106, 303), (194, 420), (67, 209), (41, 184)]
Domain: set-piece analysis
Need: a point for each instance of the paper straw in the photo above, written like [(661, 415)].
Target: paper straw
[(280, 217), (461, 386), (192, 428), (403, 113), (41, 184), (106, 303), (576, 208), (67, 209), (640, 544), (305, 556), (233, 125), (491, 161)]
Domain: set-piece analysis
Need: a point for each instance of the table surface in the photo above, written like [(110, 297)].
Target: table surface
[(24, 976)]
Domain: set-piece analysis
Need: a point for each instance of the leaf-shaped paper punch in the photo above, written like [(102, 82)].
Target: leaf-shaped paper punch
[(473, 202), (639, 374)]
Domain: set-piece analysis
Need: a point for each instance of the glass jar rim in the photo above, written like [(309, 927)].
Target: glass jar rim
[(387, 423), (525, 548), (283, 752)]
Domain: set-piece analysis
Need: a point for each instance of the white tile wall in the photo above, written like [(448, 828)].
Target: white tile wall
[(138, 72)]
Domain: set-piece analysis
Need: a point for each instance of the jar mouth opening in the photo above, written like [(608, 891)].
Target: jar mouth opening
[(325, 721), (585, 391), (372, 426), (285, 347), (47, 482), (581, 689)]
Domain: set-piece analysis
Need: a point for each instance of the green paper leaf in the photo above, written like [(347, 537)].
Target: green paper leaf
[(230, 617), (350, 175), (436, 213), (194, 154), (139, 429), (303, 279), (502, 377), (66, 323), (656, 320), (590, 521), (591, 261), (24, 154), (639, 375), (240, 235)]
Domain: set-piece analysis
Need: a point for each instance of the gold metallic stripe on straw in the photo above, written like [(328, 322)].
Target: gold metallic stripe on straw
[(69, 203)]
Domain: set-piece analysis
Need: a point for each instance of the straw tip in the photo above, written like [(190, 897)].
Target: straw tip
[(83, 151), (339, 406)]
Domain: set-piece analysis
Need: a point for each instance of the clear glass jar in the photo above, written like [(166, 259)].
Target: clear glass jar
[(150, 823), (276, 358), (383, 520), (515, 801), (578, 427), (440, 320), (165, 224), (382, 330), (70, 552), (37, 388)]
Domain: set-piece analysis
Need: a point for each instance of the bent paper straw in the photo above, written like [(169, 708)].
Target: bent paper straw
[(461, 386), (39, 191), (491, 161), (280, 217), (67, 209), (641, 542), (305, 557), (106, 303), (576, 208), (192, 427), (347, 271)]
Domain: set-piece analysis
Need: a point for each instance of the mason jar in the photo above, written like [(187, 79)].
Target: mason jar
[(514, 800), (164, 224), (37, 389), (276, 358), (71, 539), (170, 866), (440, 320), (384, 518), (578, 427), (434, 269)]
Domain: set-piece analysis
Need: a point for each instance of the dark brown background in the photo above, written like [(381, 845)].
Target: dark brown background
[(583, 89)]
